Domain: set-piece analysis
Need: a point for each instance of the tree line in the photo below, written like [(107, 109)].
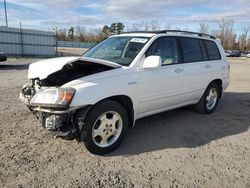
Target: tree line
[(82, 34), (223, 29), (229, 39)]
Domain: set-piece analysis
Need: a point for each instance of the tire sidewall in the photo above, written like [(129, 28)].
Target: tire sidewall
[(204, 102), (90, 120)]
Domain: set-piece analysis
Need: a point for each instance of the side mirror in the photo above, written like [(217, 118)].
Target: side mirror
[(152, 62)]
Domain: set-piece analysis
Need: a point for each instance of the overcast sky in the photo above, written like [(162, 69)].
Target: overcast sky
[(47, 14)]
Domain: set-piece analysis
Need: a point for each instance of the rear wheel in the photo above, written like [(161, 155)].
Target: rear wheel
[(209, 100), (105, 127)]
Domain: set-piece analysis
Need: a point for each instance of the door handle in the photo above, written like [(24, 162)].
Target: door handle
[(207, 66), (178, 70), (132, 83)]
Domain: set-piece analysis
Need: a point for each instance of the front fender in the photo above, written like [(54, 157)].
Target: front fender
[(91, 92)]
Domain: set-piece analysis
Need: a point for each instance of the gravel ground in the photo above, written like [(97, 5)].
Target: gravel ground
[(179, 148)]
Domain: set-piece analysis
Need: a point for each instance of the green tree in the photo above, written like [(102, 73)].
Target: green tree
[(71, 33), (106, 31), (116, 28)]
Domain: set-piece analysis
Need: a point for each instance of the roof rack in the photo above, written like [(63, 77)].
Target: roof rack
[(187, 32), (139, 32), (174, 31)]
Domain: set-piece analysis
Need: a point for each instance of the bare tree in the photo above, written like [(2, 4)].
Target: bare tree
[(167, 26), (145, 26), (155, 25), (136, 27), (62, 34), (204, 28), (80, 32), (248, 44), (243, 39), (225, 33)]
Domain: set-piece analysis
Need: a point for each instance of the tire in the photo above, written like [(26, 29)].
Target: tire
[(205, 105), (105, 127)]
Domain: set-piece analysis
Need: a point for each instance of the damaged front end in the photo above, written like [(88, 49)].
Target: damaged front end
[(51, 107), (46, 97)]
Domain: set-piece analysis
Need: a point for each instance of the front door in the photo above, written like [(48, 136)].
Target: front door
[(161, 87)]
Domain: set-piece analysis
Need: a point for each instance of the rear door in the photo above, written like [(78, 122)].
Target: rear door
[(197, 70)]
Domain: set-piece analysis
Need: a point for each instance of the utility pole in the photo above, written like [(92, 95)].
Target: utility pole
[(56, 42), (21, 38), (56, 37), (6, 18)]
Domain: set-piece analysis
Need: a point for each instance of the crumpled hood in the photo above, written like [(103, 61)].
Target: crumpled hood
[(42, 69)]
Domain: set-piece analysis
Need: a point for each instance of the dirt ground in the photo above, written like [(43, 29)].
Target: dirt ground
[(179, 148)]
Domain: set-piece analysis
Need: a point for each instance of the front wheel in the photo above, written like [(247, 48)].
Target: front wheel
[(209, 100), (105, 127)]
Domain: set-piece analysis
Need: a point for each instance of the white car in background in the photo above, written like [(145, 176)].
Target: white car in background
[(97, 96), (227, 53), (248, 55)]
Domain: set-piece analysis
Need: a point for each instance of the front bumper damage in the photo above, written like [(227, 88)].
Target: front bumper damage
[(63, 123), (52, 74), (60, 125)]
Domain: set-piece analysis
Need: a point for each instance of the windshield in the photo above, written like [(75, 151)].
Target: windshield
[(121, 50)]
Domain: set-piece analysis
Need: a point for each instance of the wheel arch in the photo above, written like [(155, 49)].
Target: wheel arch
[(128, 105), (219, 83), (123, 100)]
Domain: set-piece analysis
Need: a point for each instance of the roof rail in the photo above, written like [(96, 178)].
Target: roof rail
[(187, 32), (139, 32), (174, 31)]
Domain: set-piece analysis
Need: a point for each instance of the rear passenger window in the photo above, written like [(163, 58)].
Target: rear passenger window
[(191, 50), (212, 50)]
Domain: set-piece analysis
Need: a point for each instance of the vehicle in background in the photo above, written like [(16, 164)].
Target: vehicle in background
[(227, 52), (234, 53), (248, 55), (2, 56), (244, 53)]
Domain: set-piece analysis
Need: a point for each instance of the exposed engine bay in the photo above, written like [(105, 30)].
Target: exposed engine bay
[(73, 71), (48, 117), (69, 72)]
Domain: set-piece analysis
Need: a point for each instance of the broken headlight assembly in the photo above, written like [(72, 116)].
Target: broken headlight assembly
[(53, 97)]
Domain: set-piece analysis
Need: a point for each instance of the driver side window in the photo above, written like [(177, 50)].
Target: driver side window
[(166, 48)]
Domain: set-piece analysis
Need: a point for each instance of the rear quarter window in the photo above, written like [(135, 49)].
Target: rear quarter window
[(212, 50)]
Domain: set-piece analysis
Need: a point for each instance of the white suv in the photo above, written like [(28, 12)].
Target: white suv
[(97, 96)]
